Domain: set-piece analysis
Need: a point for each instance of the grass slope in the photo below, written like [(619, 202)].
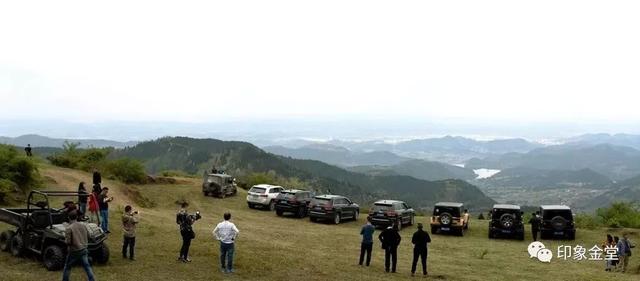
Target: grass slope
[(273, 248)]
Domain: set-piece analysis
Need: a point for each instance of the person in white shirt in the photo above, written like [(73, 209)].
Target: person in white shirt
[(226, 232)]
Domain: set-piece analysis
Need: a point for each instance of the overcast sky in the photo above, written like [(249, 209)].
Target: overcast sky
[(189, 61)]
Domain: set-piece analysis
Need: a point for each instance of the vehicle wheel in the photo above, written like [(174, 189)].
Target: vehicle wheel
[(434, 230), (461, 232), (17, 246), (53, 257), (101, 255), (355, 216), (490, 234), (312, 219), (272, 206), (279, 213), (301, 212), (250, 205), (223, 195), (572, 236), (5, 240), (413, 220), (336, 218), (521, 236)]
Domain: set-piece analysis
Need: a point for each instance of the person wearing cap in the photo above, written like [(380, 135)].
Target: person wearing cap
[(420, 239)]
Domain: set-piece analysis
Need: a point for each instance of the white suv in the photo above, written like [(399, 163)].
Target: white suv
[(263, 195)]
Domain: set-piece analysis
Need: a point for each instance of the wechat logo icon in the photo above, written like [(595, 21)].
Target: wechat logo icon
[(538, 250)]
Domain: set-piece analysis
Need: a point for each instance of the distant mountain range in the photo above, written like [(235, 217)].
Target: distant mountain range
[(547, 179), (41, 141), (632, 141), (240, 158), (447, 149), (615, 162), (420, 169), (627, 190), (337, 155)]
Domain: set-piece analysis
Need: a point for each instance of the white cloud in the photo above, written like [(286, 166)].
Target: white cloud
[(132, 60)]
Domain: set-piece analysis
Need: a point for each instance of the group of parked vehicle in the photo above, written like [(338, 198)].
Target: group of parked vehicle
[(506, 220)]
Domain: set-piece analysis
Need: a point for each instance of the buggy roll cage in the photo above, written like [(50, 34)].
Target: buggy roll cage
[(46, 195)]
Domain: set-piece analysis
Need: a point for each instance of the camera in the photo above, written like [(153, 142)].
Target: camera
[(196, 216)]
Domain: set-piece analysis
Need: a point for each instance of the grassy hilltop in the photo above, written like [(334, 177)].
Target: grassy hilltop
[(274, 248)]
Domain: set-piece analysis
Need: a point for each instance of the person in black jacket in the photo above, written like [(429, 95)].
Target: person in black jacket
[(535, 222), (83, 197), (420, 239), (184, 220), (97, 177), (390, 239)]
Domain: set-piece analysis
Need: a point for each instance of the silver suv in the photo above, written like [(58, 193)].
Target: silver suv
[(263, 195)]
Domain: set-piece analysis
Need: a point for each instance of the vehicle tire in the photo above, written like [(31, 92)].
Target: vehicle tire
[(413, 220), (250, 205), (461, 232), (272, 206), (279, 213), (445, 219), (490, 234), (312, 219), (558, 223), (336, 218), (521, 236), (5, 240), (507, 221), (17, 246), (572, 236), (544, 235), (101, 255), (355, 215), (301, 212), (434, 230), (53, 257), (223, 195)]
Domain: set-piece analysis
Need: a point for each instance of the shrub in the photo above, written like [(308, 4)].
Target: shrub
[(620, 214), (76, 158), (587, 221), (126, 170), (17, 172)]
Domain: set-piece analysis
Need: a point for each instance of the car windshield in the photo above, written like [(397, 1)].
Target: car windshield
[(260, 190), (443, 209), (382, 207), (321, 201), (550, 214)]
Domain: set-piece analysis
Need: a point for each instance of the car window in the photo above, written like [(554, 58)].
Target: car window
[(286, 195), (550, 214), (343, 201), (399, 206), (274, 190), (382, 207), (260, 190), (443, 209), (321, 201), (405, 205), (347, 201)]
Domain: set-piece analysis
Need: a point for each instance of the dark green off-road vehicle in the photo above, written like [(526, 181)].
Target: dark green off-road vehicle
[(40, 230)]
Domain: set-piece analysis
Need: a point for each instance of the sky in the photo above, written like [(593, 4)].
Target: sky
[(198, 61)]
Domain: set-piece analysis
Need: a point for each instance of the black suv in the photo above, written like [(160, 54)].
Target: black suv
[(506, 221), (389, 212), (557, 221), (293, 201), (333, 207)]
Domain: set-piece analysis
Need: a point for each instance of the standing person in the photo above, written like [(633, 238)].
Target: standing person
[(616, 261), (535, 225), (420, 239), (466, 219), (76, 237), (94, 207), (83, 197), (97, 177), (624, 251), (390, 239), (608, 244), (186, 230), (129, 223), (367, 242), (226, 232), (103, 203), (27, 150)]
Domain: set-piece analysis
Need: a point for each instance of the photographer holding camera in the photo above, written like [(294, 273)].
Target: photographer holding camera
[(185, 221), (129, 222), (103, 203)]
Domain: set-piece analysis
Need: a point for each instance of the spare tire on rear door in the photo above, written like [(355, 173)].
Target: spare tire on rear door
[(507, 220), (445, 218), (558, 223)]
